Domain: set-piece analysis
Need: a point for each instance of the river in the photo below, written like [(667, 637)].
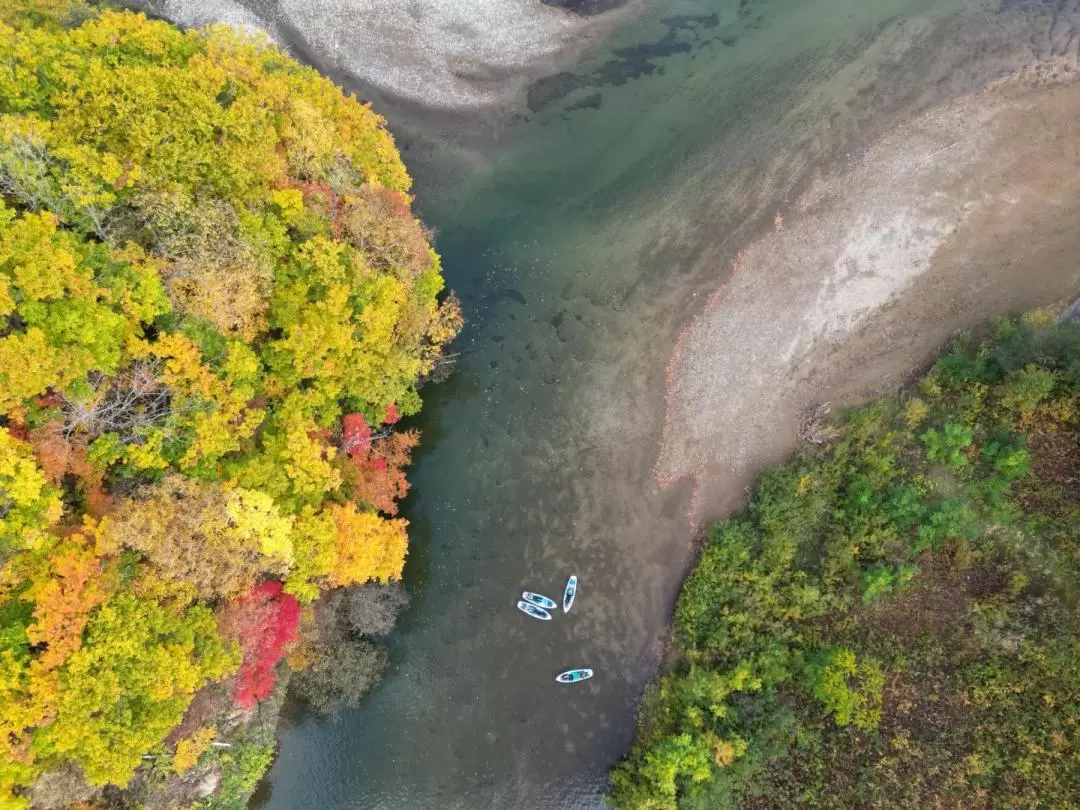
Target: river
[(597, 227)]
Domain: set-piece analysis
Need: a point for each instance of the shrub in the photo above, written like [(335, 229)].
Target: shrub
[(947, 445), (877, 581), (241, 769), (788, 654), (1024, 390), (1008, 456), (339, 674), (850, 689)]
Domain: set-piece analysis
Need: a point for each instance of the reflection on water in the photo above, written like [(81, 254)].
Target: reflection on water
[(577, 255)]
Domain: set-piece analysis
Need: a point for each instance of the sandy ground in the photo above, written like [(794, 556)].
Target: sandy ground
[(963, 213), (444, 54)]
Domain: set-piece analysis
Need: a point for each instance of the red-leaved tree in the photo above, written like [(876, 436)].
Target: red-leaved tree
[(355, 434), (377, 461), (264, 623)]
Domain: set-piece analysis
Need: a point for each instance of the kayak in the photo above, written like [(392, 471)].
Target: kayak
[(574, 675), (538, 600), (534, 611), (569, 594)]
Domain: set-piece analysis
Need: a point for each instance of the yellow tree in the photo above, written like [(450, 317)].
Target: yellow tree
[(369, 547), (131, 681), (189, 749), (205, 540), (29, 505)]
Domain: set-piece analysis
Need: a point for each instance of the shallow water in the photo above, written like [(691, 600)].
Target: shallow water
[(579, 251)]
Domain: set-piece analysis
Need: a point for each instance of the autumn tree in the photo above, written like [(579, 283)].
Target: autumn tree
[(189, 749), (208, 258), (77, 309), (338, 675), (27, 700), (375, 473), (372, 609), (205, 540), (129, 683), (68, 584), (28, 505), (263, 622), (340, 665), (369, 547)]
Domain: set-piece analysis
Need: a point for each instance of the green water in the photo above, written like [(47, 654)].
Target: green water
[(579, 249)]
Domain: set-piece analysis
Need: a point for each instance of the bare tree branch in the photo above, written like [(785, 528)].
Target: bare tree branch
[(127, 405)]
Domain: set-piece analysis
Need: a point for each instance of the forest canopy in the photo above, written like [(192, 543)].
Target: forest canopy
[(893, 622), (215, 306)]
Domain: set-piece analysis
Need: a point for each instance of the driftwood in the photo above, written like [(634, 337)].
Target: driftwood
[(814, 428)]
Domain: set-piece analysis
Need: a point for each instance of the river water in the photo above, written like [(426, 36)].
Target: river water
[(602, 221)]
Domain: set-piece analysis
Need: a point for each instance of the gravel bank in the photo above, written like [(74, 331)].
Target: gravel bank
[(965, 212)]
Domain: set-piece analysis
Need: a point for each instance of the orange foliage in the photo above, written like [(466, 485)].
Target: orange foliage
[(376, 474), (396, 203), (57, 455), (53, 451), (70, 585)]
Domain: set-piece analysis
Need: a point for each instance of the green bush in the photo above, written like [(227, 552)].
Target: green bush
[(947, 445), (241, 769), (849, 689), (1024, 390), (877, 581)]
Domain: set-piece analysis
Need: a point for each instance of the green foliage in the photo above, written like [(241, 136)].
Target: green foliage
[(892, 623), (1023, 390), (1008, 456), (740, 590), (947, 445), (952, 519), (241, 769), (849, 689), (677, 758), (877, 581)]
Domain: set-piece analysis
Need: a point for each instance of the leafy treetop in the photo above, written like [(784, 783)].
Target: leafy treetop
[(208, 263)]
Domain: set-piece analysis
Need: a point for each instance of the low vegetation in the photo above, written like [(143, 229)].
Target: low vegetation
[(894, 621), (215, 307)]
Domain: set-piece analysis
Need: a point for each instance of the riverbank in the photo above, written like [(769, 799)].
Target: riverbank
[(473, 54), (890, 622), (870, 269)]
